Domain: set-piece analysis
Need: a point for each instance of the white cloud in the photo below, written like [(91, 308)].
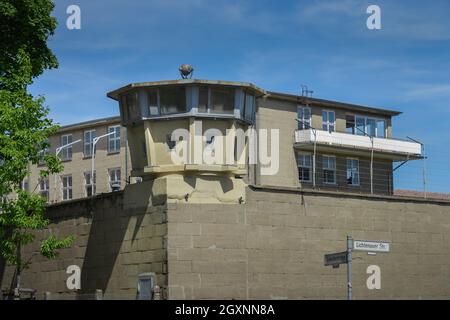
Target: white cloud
[(428, 91)]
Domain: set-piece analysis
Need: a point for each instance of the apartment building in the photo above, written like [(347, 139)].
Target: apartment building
[(74, 145), (334, 146)]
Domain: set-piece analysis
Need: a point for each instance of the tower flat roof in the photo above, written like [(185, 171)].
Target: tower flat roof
[(115, 93)]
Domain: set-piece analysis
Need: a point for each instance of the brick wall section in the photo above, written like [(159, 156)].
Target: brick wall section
[(114, 244), (273, 247)]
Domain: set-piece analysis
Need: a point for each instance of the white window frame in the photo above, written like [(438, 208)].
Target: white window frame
[(42, 155), (68, 188), (302, 121), (329, 169), (118, 179), (327, 123), (114, 138), (66, 153), (89, 185), (300, 166), (44, 192), (88, 144), (357, 170)]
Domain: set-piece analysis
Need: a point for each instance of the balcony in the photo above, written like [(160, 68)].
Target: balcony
[(354, 145)]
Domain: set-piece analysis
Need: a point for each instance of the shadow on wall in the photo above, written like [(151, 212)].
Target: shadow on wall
[(225, 182), (111, 219), (107, 231)]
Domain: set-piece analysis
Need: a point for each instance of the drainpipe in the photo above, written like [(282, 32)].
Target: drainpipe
[(371, 167), (314, 156)]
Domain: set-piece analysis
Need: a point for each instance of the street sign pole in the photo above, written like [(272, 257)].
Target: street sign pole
[(349, 267)]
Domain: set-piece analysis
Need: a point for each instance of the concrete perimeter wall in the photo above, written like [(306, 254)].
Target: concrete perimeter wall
[(273, 247), (118, 236)]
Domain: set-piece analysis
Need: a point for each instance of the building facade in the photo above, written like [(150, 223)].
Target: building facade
[(205, 134), (317, 144), (111, 163), (230, 228)]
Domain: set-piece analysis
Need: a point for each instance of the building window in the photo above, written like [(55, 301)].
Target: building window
[(222, 100), (304, 118), (350, 124), (172, 100), (328, 121), (249, 107), (44, 188), (371, 129), (66, 153), (304, 167), (114, 139), (88, 184), (88, 142), (132, 106), (381, 128), (370, 126), (25, 186), (66, 189), (353, 172), (152, 99), (44, 152), (329, 169), (203, 99), (114, 179)]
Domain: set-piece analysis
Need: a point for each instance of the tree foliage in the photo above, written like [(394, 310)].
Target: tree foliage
[(25, 128)]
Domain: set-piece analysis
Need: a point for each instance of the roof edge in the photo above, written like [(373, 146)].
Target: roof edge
[(89, 123), (115, 93), (331, 103)]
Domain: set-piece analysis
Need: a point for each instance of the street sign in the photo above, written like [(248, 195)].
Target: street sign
[(335, 259), (372, 246)]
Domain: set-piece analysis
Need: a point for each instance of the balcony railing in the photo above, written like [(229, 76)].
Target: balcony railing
[(360, 143)]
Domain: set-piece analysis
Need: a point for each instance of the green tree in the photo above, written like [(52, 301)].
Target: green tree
[(25, 28)]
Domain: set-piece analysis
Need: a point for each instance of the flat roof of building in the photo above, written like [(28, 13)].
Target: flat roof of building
[(115, 93), (331, 103), (271, 94)]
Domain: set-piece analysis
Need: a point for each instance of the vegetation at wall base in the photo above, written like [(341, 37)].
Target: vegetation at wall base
[(24, 129)]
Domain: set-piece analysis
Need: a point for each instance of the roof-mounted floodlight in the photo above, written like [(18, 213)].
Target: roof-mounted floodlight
[(186, 71)]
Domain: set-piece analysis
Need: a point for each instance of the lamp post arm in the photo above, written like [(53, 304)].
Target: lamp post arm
[(94, 143), (58, 150)]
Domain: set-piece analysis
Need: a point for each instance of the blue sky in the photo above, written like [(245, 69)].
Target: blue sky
[(277, 45)]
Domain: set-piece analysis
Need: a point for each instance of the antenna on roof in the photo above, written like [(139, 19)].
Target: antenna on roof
[(186, 71), (305, 92)]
